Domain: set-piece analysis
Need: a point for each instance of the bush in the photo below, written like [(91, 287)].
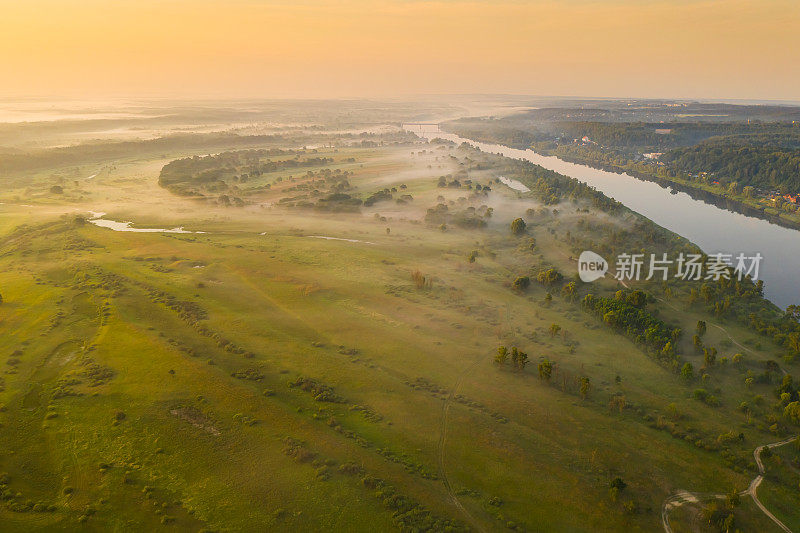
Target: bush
[(704, 396), (521, 284), (421, 281)]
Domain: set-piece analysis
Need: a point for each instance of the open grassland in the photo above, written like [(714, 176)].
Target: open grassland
[(257, 376)]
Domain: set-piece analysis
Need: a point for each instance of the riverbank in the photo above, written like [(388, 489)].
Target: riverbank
[(708, 221), (707, 192)]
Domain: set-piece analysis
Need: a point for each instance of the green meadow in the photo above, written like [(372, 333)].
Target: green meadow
[(308, 362)]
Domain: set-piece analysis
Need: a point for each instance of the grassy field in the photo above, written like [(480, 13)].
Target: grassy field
[(263, 375)]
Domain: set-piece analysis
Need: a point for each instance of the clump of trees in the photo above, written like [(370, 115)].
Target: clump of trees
[(626, 314), (720, 515), (549, 277), (468, 218), (518, 358)]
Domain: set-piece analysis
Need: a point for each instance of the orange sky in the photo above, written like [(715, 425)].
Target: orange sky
[(683, 48)]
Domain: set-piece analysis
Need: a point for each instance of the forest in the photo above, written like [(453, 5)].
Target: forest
[(761, 160)]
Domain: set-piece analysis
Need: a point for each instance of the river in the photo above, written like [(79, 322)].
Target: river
[(711, 228)]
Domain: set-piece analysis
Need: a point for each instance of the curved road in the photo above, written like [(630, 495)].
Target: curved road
[(682, 497)]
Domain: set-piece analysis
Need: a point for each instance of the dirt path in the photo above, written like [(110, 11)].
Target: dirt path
[(682, 497), (443, 442), (751, 490)]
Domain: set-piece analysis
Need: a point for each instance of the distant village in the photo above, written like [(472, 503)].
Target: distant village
[(770, 198)]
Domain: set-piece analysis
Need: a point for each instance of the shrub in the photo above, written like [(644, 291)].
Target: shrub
[(421, 281), (521, 284), (518, 226)]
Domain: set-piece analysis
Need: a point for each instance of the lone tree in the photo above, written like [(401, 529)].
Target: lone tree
[(521, 284), (518, 226), (701, 327), (568, 291), (687, 372), (545, 369), (502, 355), (586, 385)]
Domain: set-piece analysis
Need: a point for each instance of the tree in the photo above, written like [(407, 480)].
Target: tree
[(549, 276), (793, 341), (568, 291), (501, 356), (545, 369), (792, 411), (554, 329), (701, 327), (519, 359), (687, 372), (586, 385), (618, 484), (518, 226), (698, 342), (732, 499), (521, 284), (709, 356), (618, 402), (720, 516), (668, 350), (636, 298)]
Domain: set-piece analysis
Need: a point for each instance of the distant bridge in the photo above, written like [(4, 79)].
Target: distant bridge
[(427, 127)]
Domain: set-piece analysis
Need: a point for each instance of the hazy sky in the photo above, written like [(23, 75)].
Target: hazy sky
[(655, 48)]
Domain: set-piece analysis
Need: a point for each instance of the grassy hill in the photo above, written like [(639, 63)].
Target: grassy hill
[(290, 367)]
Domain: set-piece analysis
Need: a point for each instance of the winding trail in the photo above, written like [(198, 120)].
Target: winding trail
[(751, 490), (443, 441), (682, 497)]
